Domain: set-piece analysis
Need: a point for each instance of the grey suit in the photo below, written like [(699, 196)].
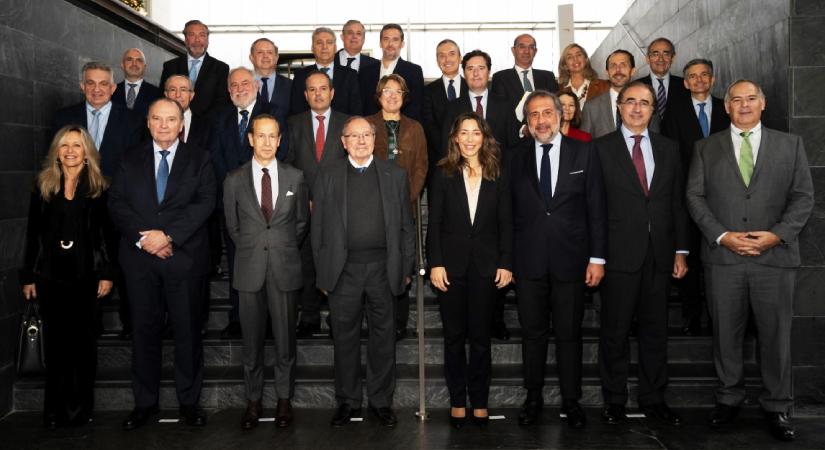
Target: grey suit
[(778, 199), (598, 117), (267, 270)]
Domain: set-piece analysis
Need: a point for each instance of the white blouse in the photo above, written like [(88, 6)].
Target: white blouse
[(472, 193)]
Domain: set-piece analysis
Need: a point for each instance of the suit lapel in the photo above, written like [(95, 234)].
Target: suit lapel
[(457, 185), (566, 158), (659, 157), (248, 184), (531, 168), (204, 69), (149, 173), (178, 168), (515, 80), (730, 157), (762, 156), (384, 183), (340, 189), (626, 161), (283, 188)]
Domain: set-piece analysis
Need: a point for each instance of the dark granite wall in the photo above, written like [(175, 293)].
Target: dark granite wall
[(43, 45), (779, 44)]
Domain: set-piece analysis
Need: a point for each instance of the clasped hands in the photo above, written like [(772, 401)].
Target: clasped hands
[(749, 243), (156, 243)]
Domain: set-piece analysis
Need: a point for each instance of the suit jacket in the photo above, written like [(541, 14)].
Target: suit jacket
[(413, 76), (146, 95), (329, 224), (189, 201), (279, 100), (301, 152), (499, 115), (778, 199), (682, 125), (412, 150), (366, 60), (453, 241), (636, 220), (200, 132), (598, 118), (347, 97), (434, 116), (508, 83), (211, 91), (676, 92), (560, 241), (124, 130), (266, 246)]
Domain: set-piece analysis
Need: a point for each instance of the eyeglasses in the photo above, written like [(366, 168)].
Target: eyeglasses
[(525, 47), (389, 91), (633, 103), (359, 136), (664, 55), (178, 90)]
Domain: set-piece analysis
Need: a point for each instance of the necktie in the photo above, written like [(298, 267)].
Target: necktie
[(349, 62), (545, 181), (193, 70), (479, 108), (242, 125), (131, 96), (162, 176), (451, 91), (392, 138), (325, 70), (265, 88), (746, 157), (618, 118), (266, 195), (182, 134), (94, 128), (528, 86), (703, 120), (661, 98), (320, 136), (639, 162), (360, 169)]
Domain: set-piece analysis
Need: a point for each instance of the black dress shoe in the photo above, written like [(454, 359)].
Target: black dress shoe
[(253, 413), (662, 412), (614, 414), (81, 418), (306, 330), (138, 417), (400, 333), (529, 413), (500, 332), (343, 415), (781, 426), (722, 414), (192, 415), (457, 422), (283, 413), (575, 414), (481, 421), (385, 415), (50, 421), (231, 331), (691, 327)]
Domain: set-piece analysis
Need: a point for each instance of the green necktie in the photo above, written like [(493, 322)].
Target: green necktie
[(746, 158)]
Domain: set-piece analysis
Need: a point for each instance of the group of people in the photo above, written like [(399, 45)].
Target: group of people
[(553, 186)]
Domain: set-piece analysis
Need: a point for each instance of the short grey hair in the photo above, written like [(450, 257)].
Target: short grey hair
[(541, 93), (740, 81), (188, 80), (320, 30), (96, 65)]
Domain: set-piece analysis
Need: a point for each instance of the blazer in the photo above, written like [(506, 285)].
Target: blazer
[(301, 152), (778, 199), (266, 247), (598, 118), (146, 95), (682, 125), (499, 115), (200, 131), (560, 241), (124, 129), (279, 99), (347, 98), (508, 83), (636, 220), (412, 151), (676, 92), (366, 60), (596, 88), (413, 76), (453, 241), (189, 201), (329, 224), (434, 116), (211, 90)]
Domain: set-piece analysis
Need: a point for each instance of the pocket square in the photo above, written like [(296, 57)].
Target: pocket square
[(289, 193), (576, 172)]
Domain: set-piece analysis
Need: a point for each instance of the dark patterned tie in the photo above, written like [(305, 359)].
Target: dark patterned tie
[(131, 96), (479, 108), (265, 88), (349, 62), (661, 98), (266, 195), (242, 125), (451, 91)]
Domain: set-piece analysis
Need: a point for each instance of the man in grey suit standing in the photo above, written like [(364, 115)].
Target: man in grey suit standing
[(750, 193), (266, 208), (363, 241)]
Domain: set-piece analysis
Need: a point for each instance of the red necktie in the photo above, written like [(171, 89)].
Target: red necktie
[(479, 108), (266, 195), (639, 163), (319, 139)]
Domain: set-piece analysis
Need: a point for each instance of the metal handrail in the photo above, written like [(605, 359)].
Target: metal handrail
[(419, 321)]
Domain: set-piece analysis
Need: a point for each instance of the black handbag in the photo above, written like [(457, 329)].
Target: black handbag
[(30, 353)]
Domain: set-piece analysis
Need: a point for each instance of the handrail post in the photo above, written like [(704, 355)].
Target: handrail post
[(421, 414)]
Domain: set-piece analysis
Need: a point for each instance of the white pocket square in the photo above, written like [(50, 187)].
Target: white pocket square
[(576, 172), (289, 193)]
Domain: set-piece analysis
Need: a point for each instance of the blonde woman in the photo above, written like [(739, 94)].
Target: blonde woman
[(576, 74)]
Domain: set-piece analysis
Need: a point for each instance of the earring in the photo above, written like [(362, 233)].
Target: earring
[(86, 161)]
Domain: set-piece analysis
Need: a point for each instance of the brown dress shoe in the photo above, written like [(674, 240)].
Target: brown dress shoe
[(252, 415), (283, 413)]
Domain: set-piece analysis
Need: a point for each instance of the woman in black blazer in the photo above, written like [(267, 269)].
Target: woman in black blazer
[(469, 247), (67, 268)]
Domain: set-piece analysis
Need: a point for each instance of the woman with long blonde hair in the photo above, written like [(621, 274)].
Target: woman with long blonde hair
[(576, 74)]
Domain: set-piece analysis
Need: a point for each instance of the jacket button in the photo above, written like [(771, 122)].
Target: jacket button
[(744, 219), (547, 213), (267, 227), (265, 249)]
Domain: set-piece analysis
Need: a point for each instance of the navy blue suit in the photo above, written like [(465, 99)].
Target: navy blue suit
[(146, 95), (347, 97), (413, 76), (280, 98)]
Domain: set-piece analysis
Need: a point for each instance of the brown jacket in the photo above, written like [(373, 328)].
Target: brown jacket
[(597, 87), (412, 151)]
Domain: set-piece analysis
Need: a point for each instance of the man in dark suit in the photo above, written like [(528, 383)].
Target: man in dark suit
[(272, 88), (392, 41), (363, 240), (161, 215), (522, 79), (559, 246), (267, 212), (670, 89), (352, 35), (647, 240), (134, 92), (345, 81), (687, 122), (208, 73), (750, 192), (196, 129), (439, 94), (314, 144)]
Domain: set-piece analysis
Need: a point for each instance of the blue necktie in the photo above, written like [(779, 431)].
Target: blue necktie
[(242, 125), (193, 70), (703, 120), (546, 186), (94, 128), (265, 88), (162, 175), (451, 91)]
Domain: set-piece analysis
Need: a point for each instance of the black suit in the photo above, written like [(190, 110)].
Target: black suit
[(347, 97), (644, 232), (498, 114), (200, 131), (676, 92), (551, 250), (279, 101), (146, 95), (413, 76), (509, 83), (434, 116), (182, 215), (211, 91), (366, 60)]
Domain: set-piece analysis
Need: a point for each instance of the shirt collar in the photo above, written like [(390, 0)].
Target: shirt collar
[(248, 108), (367, 164), (556, 141), (256, 166), (629, 134), (137, 82), (172, 148), (190, 58), (103, 109), (756, 129)]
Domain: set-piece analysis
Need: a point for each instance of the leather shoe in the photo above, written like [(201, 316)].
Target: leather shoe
[(481, 421), (283, 413), (458, 422), (192, 415), (138, 417), (722, 414), (50, 421), (691, 327), (306, 330), (662, 412), (232, 331), (614, 414), (529, 413), (575, 414), (253, 413), (343, 415), (385, 415), (781, 426), (500, 332)]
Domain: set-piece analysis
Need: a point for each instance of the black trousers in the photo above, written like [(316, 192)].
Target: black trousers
[(234, 315), (537, 298), (309, 297), (690, 287), (70, 329), (466, 310)]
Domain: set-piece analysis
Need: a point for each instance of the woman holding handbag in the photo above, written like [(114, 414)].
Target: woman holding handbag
[(67, 268)]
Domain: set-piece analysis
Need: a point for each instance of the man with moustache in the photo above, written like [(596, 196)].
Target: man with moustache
[(522, 79), (272, 88), (670, 89), (439, 94), (134, 92), (352, 35)]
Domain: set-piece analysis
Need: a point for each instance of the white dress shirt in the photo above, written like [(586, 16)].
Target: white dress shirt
[(327, 114), (187, 124), (359, 166), (456, 85), (387, 70), (344, 55), (239, 117), (519, 72), (257, 181), (484, 96)]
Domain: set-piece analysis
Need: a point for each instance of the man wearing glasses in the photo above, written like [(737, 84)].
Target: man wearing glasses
[(670, 89), (522, 79)]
